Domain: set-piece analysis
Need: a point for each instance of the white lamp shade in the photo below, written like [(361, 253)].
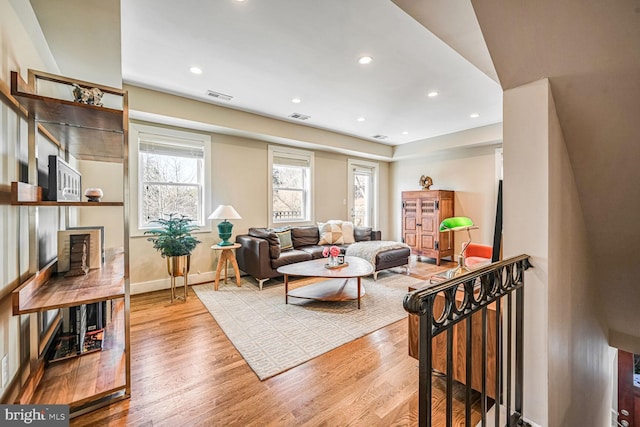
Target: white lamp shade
[(225, 212)]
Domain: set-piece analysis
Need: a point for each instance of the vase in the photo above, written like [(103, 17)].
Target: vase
[(333, 261)]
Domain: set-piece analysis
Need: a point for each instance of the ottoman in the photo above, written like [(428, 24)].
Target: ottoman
[(381, 254)]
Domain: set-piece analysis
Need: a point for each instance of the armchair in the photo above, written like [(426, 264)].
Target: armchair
[(476, 255)]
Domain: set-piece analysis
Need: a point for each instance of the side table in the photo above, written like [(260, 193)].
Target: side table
[(227, 255)]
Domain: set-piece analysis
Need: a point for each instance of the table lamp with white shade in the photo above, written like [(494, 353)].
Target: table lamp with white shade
[(225, 212)]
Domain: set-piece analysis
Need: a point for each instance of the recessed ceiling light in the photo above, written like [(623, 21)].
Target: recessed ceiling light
[(405, 132), (196, 70), (296, 100), (432, 94), (360, 119), (474, 115), (364, 60)]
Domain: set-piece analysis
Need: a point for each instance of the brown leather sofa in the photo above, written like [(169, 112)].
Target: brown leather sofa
[(260, 255)]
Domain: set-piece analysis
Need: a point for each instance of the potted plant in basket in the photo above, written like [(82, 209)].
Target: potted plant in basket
[(174, 241)]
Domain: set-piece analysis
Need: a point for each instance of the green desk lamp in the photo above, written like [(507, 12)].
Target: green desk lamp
[(225, 212), (458, 223)]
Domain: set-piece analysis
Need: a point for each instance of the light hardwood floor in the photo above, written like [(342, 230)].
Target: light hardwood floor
[(185, 372)]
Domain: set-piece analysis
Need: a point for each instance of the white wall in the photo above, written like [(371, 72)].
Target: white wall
[(526, 229), (579, 369), (108, 177), (470, 172), (239, 177), (566, 363)]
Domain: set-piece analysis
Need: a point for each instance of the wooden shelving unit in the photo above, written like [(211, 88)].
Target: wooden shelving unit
[(86, 132), (23, 194), (59, 291), (79, 380)]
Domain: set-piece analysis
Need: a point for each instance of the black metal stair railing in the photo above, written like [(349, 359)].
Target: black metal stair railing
[(487, 285)]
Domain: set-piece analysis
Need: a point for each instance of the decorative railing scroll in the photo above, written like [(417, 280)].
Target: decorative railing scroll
[(480, 288)]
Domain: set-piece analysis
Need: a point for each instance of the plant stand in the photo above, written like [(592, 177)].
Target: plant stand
[(179, 266)]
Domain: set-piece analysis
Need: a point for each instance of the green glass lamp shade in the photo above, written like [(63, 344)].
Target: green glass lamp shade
[(224, 231), (456, 223)]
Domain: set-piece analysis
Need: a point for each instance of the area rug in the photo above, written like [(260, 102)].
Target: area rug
[(274, 337)]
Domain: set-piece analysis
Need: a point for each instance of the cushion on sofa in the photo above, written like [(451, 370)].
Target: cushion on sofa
[(330, 233), (284, 235), (271, 237), (347, 232), (362, 234), (289, 257), (305, 236)]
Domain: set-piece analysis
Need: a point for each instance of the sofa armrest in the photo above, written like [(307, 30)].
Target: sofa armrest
[(253, 256)]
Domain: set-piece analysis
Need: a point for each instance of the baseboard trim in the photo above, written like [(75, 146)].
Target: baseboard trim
[(161, 284)]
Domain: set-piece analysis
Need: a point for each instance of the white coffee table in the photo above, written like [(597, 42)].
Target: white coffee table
[(342, 284)]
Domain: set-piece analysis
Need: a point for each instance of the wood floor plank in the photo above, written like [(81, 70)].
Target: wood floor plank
[(185, 372)]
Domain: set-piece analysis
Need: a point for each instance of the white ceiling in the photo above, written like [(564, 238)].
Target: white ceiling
[(264, 53)]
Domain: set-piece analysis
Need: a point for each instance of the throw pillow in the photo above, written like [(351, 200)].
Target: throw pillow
[(330, 233), (347, 232), (284, 234), (362, 234), (305, 236)]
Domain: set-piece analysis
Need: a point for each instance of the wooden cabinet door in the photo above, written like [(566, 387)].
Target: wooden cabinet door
[(422, 213), (410, 223), (428, 223), (628, 390)]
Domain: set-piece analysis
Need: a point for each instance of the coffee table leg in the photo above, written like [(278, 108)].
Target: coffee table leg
[(286, 289), (358, 292)]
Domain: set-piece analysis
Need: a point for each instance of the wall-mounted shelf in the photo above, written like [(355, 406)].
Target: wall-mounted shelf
[(88, 132), (58, 291), (23, 194), (80, 380)]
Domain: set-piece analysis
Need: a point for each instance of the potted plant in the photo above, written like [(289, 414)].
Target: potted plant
[(174, 241)]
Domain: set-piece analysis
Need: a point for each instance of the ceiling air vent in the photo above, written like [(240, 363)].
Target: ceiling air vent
[(299, 116), (380, 136), (219, 95)]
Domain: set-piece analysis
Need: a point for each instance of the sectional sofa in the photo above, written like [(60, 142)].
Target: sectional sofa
[(264, 250)]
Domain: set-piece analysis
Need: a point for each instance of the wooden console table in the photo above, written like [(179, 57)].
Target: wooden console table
[(460, 346)]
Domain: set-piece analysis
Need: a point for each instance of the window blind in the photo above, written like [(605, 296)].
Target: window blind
[(291, 160), (178, 147)]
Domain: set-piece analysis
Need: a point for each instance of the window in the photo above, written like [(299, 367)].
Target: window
[(172, 172), (290, 185), (363, 192)]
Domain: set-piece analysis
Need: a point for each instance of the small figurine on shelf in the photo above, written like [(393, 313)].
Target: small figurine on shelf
[(93, 194), (426, 182), (91, 96)]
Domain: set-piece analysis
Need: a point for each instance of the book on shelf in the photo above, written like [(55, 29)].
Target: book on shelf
[(93, 341), (65, 347), (82, 330), (94, 255)]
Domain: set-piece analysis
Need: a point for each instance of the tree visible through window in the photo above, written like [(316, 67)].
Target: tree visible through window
[(290, 186), (288, 192), (171, 179), (363, 177)]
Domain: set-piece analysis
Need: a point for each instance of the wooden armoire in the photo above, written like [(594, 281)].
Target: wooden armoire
[(422, 213)]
